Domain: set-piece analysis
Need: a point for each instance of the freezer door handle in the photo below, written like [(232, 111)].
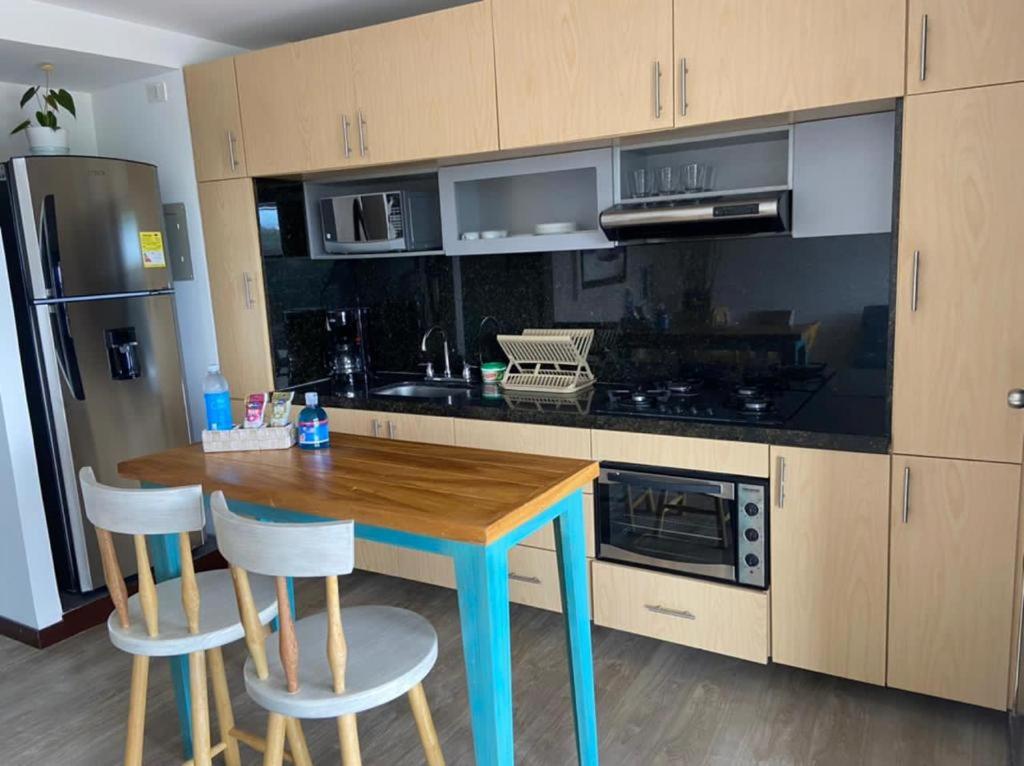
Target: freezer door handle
[(67, 359)]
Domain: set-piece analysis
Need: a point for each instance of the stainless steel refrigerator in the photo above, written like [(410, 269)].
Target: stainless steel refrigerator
[(92, 294)]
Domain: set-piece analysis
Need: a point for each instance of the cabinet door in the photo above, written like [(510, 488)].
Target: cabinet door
[(753, 57), (829, 546), (392, 425), (425, 86), (578, 69), (965, 43), (236, 284), (214, 120), (958, 348), (297, 105), (951, 578)]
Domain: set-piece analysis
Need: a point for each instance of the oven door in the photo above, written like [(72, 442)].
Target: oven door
[(673, 522)]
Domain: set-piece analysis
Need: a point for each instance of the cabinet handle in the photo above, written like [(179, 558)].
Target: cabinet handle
[(682, 86), (524, 578), (782, 481), (924, 47), (231, 151), (682, 614), (375, 427), (250, 301), (345, 124), (914, 279), (392, 430), (362, 134), (906, 494), (656, 78)]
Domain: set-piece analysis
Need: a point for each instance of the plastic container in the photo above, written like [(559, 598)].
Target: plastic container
[(312, 424), (492, 372), (217, 399)]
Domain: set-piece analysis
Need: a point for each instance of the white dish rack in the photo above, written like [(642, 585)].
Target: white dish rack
[(548, 361)]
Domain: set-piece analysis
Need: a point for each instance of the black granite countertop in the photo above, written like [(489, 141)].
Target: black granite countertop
[(849, 414)]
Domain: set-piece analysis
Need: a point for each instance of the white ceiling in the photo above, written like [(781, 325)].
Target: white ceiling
[(73, 70), (257, 23)]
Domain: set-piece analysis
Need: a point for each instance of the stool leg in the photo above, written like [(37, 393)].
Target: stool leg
[(274, 754), (349, 736), (200, 709), (222, 701), (297, 743), (425, 724), (136, 711)]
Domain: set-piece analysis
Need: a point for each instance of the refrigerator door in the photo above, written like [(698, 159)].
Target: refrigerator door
[(114, 378), (98, 225)]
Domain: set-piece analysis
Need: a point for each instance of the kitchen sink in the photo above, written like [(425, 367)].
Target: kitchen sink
[(422, 390)]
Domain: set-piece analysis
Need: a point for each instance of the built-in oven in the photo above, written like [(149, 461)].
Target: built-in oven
[(708, 525)]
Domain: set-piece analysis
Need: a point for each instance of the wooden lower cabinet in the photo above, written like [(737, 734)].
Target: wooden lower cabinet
[(556, 441), (705, 615), (952, 562), (683, 452), (392, 425), (544, 538), (829, 566)]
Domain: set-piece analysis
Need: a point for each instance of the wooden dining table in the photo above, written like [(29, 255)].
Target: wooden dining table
[(470, 504)]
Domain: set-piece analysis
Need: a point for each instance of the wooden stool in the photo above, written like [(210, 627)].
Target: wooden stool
[(194, 614), (382, 652)]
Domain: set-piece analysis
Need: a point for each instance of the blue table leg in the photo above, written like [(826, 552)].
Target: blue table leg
[(163, 552), (570, 544), (481, 576)]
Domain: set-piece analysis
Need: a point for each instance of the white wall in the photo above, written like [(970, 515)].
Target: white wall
[(81, 131), (128, 126)]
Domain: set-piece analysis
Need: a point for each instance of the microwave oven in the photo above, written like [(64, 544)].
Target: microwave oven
[(381, 222)]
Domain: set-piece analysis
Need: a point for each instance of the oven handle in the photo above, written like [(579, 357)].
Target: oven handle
[(671, 484)]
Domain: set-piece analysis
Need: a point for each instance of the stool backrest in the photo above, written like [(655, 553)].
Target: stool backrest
[(317, 549), (141, 512)]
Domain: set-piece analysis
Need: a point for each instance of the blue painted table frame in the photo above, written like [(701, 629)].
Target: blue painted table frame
[(481, 578)]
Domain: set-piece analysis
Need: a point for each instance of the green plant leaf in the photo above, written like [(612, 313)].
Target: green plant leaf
[(51, 101), (21, 127), (65, 100), (27, 96)]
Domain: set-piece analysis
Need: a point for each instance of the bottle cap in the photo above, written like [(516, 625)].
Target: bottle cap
[(213, 368), (312, 399)]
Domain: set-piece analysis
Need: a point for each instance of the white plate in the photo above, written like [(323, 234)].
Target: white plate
[(555, 227), (494, 234), (470, 235)]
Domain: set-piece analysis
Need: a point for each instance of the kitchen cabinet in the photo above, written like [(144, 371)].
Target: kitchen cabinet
[(544, 537), (215, 120), (233, 261), (829, 546), (297, 104), (425, 86), (556, 441), (957, 44), (952, 562), (958, 347), (684, 452), (744, 58), (569, 70), (392, 425)]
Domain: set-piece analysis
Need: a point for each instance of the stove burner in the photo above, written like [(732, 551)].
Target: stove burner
[(749, 391), (685, 387), (641, 398), (757, 405)]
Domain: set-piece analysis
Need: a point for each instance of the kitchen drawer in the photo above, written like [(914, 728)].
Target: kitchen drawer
[(545, 536), (421, 566), (533, 578), (683, 452), (556, 441), (717, 618), (392, 425)]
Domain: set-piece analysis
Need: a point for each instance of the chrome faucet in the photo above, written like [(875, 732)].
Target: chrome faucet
[(447, 360)]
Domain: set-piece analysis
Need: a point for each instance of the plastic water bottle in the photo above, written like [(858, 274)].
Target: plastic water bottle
[(313, 424), (217, 399)]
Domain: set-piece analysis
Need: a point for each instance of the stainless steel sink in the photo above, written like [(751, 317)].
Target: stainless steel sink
[(422, 390)]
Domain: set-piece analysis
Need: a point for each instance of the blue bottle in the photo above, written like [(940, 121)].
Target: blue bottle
[(217, 399), (313, 424)]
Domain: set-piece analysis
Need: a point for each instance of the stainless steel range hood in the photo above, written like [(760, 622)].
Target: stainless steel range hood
[(723, 216)]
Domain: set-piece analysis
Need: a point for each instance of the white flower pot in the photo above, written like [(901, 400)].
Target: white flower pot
[(47, 141)]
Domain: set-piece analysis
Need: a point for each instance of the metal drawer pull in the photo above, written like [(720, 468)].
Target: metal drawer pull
[(392, 430), (657, 89), (682, 86), (231, 150), (782, 481), (362, 134), (345, 124), (680, 613), (375, 427), (906, 494), (924, 47), (524, 578), (250, 301), (914, 279)]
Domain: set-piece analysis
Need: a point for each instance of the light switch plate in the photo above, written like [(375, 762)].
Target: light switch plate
[(156, 92)]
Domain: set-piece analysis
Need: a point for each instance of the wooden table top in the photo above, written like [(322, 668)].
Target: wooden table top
[(454, 493)]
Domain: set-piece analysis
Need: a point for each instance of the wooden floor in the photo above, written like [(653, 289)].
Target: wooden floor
[(657, 704)]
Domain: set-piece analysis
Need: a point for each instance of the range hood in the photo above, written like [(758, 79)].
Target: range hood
[(721, 216)]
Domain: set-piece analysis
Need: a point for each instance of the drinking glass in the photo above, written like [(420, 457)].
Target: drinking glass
[(643, 182), (696, 177), (666, 179)]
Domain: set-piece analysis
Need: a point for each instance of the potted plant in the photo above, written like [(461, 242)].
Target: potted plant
[(46, 136)]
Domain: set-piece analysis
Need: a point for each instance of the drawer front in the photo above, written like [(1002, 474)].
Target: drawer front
[(392, 425), (544, 537), (556, 441), (533, 578), (421, 566), (682, 452), (705, 615)]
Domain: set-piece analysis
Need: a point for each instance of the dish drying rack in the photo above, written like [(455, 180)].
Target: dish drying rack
[(548, 361)]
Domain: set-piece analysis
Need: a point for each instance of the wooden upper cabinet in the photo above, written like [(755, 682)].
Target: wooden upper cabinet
[(298, 106), (965, 43), (425, 86), (746, 58), (829, 545), (233, 260), (958, 347), (214, 119), (578, 69), (951, 578)]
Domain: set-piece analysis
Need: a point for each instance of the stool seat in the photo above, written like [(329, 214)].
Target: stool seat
[(390, 651), (218, 616)]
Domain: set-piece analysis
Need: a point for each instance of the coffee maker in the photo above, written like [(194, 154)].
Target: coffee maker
[(346, 341)]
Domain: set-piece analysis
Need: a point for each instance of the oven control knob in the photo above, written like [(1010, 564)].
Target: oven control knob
[(752, 535), (752, 560), (751, 509)]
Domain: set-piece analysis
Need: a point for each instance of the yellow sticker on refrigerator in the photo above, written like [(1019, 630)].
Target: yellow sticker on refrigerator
[(152, 245)]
